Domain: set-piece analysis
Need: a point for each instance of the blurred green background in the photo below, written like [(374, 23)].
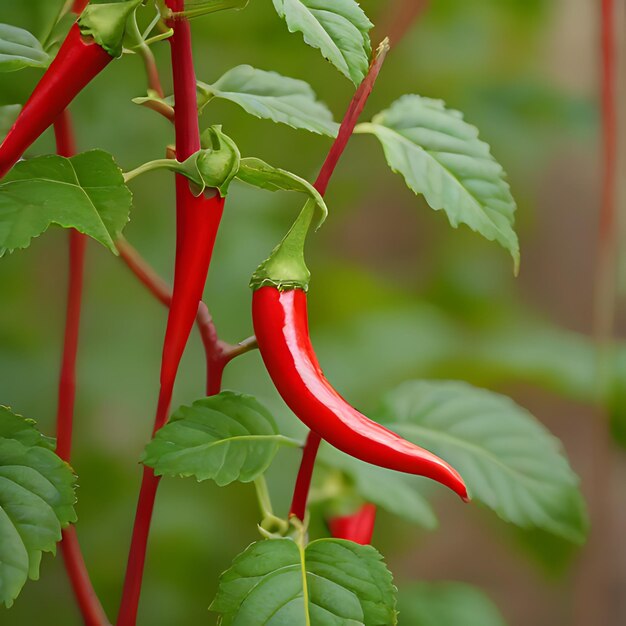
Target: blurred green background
[(396, 294)]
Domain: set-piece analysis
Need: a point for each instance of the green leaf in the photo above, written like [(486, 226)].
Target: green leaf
[(269, 95), (8, 115), (440, 156), (446, 604), (260, 174), (20, 49), (85, 192), (14, 426), (36, 501), (225, 438), (392, 491), (509, 461), (338, 28), (330, 582)]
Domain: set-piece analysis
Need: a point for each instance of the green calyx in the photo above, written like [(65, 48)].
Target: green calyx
[(215, 165), (219, 160), (286, 269), (107, 24)]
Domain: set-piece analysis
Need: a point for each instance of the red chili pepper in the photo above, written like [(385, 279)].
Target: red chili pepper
[(202, 216), (78, 61), (358, 527), (281, 327)]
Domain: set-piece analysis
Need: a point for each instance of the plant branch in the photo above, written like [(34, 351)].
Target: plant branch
[(399, 20), (218, 353), (359, 100), (595, 578), (79, 6), (90, 608), (144, 51), (187, 142), (86, 597), (305, 474), (161, 108), (351, 118)]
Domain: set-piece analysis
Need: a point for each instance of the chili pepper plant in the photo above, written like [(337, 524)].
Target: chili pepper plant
[(314, 562)]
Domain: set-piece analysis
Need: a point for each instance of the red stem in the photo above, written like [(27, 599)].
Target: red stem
[(401, 18), (609, 124), (90, 608), (86, 597), (186, 122), (79, 6), (596, 578), (77, 242), (218, 352), (357, 104), (303, 481), (187, 142), (67, 380)]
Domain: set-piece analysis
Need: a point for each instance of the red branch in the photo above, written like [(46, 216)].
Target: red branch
[(187, 142), (359, 100), (218, 353), (90, 608), (400, 19), (350, 120), (609, 123), (79, 6), (596, 578), (89, 605), (303, 481)]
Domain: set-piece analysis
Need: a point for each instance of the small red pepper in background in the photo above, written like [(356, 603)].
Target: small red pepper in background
[(358, 527), (76, 64)]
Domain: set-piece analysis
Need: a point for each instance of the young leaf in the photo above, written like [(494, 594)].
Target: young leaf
[(269, 95), (260, 174), (225, 438), (331, 581), (85, 192), (440, 156), (36, 501), (20, 49), (338, 28), (447, 604), (8, 115), (509, 461), (389, 490)]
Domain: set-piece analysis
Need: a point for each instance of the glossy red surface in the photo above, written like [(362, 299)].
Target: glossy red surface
[(76, 64), (202, 219), (358, 527), (281, 327)]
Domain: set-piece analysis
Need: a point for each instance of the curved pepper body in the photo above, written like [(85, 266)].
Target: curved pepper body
[(358, 527), (281, 327), (76, 64), (202, 216)]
